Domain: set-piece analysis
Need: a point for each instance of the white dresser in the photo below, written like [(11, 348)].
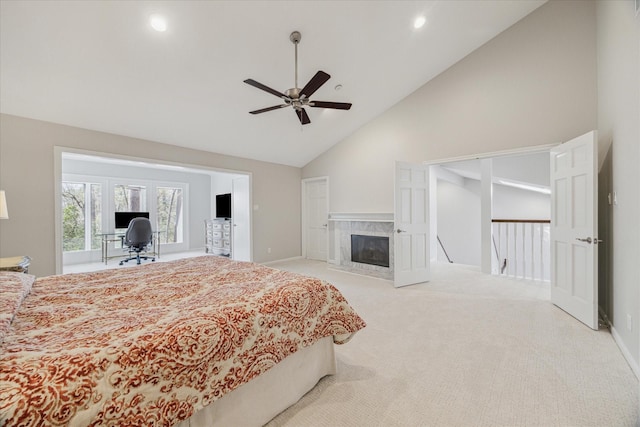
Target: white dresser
[(218, 236)]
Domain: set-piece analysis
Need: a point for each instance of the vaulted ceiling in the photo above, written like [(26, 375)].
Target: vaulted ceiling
[(99, 65)]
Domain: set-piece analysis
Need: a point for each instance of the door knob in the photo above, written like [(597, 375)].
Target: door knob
[(400, 231), (595, 240)]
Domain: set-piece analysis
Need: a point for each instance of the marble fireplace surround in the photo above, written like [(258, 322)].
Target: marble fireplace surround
[(343, 225)]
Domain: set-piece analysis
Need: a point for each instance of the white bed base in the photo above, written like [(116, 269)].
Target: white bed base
[(261, 399)]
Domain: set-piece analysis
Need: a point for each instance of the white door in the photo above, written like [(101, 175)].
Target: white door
[(411, 216), (574, 219), (241, 219), (316, 215)]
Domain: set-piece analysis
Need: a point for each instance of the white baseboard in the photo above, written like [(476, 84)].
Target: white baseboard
[(281, 260), (625, 352)]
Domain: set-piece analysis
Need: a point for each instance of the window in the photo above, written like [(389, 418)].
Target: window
[(130, 198), (81, 201), (88, 204), (169, 214)]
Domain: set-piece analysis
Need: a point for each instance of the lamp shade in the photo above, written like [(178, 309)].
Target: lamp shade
[(4, 213)]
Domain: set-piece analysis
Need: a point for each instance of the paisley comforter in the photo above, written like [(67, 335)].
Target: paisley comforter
[(150, 345)]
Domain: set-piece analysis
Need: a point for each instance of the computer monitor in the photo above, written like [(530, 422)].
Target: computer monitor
[(124, 218)]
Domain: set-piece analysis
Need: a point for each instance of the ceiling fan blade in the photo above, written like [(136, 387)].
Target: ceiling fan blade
[(335, 105), (302, 115), (265, 88), (264, 110), (314, 84)]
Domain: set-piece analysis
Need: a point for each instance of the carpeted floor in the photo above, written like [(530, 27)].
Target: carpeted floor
[(465, 349)]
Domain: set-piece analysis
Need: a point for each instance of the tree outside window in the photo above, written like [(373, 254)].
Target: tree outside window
[(79, 202), (82, 211), (169, 214), (130, 198), (96, 215)]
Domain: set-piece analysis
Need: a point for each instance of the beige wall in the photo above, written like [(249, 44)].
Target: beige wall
[(619, 127), (27, 176), (567, 68), (534, 84)]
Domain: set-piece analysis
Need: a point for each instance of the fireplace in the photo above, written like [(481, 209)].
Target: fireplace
[(372, 250), (379, 226)]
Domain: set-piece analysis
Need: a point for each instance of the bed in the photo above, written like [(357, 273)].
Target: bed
[(195, 342)]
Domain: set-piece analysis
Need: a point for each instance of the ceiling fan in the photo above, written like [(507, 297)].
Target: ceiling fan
[(299, 98)]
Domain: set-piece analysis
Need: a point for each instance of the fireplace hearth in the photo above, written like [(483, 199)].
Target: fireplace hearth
[(373, 250)]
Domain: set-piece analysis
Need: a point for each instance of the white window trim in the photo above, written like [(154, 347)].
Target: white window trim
[(112, 182), (184, 245), (88, 255), (152, 207), (108, 208)]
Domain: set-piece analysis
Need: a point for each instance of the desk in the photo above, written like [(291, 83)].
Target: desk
[(16, 263), (114, 237)]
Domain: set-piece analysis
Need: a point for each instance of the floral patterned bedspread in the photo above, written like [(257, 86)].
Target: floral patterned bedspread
[(152, 344)]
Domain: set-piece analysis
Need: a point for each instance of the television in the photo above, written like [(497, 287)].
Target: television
[(124, 218), (223, 205)]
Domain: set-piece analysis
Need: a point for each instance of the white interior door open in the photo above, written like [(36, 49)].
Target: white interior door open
[(241, 219), (411, 216), (315, 218), (574, 219)]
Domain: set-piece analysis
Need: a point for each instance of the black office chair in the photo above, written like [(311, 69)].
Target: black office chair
[(138, 238)]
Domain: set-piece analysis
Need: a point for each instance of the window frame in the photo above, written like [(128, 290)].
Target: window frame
[(151, 203), (108, 184), (85, 255), (183, 187)]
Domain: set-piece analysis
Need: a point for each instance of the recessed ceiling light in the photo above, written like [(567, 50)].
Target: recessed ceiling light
[(338, 87), (158, 23), (419, 22)]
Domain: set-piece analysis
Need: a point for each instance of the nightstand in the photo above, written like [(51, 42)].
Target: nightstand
[(16, 263)]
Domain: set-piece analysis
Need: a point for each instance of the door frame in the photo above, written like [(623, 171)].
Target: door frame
[(59, 151), (480, 156), (304, 183)]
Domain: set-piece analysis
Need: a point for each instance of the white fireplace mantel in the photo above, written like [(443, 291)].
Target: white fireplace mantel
[(362, 217)]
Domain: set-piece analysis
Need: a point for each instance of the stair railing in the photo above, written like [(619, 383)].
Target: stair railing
[(522, 248), (444, 250)]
